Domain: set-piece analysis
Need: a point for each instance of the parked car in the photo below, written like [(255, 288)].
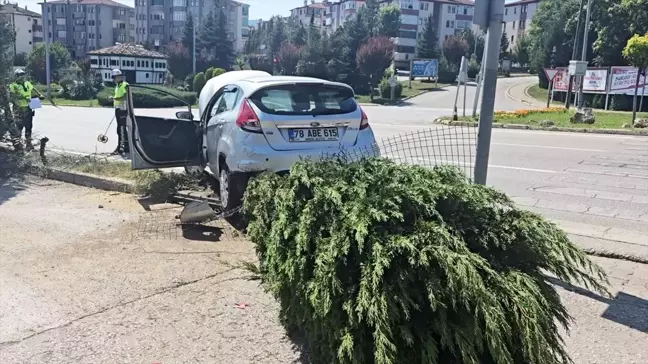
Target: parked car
[(250, 122)]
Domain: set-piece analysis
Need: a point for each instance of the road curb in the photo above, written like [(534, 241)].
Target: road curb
[(542, 128), (86, 180), (508, 94)]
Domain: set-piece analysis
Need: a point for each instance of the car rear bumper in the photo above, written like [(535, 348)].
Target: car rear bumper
[(261, 157)]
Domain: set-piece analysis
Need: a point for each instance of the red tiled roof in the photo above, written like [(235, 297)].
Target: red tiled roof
[(522, 2), (127, 49), (90, 2)]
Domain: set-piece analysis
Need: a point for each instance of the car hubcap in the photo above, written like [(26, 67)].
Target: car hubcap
[(224, 187)]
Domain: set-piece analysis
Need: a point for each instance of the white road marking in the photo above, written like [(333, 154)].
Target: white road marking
[(524, 169), (549, 147), (464, 164)]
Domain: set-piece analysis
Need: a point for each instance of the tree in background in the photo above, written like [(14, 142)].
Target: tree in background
[(188, 34), (371, 16), (276, 36), (178, 59), (475, 43), (288, 58), (453, 49), (428, 41), (521, 50), (299, 35), (504, 46), (636, 52), (373, 57), (225, 45), (207, 40), (389, 20), (313, 54), (213, 42), (20, 59), (60, 61), (7, 39), (613, 25)]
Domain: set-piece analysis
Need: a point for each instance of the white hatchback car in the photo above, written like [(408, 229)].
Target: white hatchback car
[(252, 122)]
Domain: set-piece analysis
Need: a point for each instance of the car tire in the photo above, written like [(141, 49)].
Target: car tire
[(231, 188)]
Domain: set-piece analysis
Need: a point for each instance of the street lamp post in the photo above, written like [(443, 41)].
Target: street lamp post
[(574, 52), (47, 58), (552, 63), (581, 99)]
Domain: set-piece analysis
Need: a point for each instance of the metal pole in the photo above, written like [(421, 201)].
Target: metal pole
[(490, 85), (464, 98), (47, 58), (581, 99), (480, 77), (193, 46), (574, 50)]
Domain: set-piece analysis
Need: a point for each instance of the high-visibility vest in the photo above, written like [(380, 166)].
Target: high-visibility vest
[(119, 99), (21, 93)]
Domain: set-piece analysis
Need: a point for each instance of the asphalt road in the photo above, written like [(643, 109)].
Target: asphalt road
[(596, 186)]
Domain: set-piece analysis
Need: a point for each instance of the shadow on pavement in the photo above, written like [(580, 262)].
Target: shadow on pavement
[(11, 177), (624, 309), (202, 233)]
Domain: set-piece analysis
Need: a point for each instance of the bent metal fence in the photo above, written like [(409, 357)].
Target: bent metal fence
[(438, 145)]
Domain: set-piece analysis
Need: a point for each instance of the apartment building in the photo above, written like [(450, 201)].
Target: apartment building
[(162, 21), (517, 18), (451, 17), (27, 25), (313, 10), (336, 14), (85, 25)]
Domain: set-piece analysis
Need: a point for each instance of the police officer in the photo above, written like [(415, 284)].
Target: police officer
[(21, 92), (119, 101)]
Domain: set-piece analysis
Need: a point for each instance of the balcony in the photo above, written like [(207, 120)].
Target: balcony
[(411, 42), (400, 56)]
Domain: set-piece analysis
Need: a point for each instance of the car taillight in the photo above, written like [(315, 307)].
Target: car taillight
[(247, 118), (364, 121)]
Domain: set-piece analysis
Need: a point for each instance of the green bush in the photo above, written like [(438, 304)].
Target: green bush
[(217, 72), (473, 68), (145, 98), (374, 262), (385, 90), (188, 82), (209, 73), (199, 82)]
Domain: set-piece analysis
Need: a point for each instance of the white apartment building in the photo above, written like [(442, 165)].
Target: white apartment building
[(313, 10), (27, 24), (336, 14), (162, 21), (138, 64), (517, 18)]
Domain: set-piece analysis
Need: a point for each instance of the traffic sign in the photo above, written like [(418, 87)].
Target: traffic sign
[(551, 73)]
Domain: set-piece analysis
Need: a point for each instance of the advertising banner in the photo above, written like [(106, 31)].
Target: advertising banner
[(595, 80), (424, 68), (623, 81)]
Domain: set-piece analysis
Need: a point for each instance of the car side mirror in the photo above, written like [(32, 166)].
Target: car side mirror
[(184, 115)]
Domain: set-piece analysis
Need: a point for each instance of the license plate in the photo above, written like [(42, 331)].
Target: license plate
[(313, 135)]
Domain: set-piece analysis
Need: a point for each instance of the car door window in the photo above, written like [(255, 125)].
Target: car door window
[(226, 102)]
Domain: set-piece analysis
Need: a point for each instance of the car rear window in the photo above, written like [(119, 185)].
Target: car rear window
[(305, 99)]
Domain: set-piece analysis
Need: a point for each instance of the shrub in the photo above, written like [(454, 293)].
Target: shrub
[(217, 72), (145, 98), (385, 89), (188, 82), (199, 82), (209, 73), (374, 262)]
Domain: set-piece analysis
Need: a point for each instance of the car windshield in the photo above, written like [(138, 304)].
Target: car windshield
[(305, 99)]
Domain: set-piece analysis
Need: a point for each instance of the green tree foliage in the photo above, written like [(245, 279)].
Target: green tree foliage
[(389, 20), (454, 48), (7, 38), (373, 57), (299, 35), (60, 61), (504, 45), (636, 52), (188, 34), (371, 16), (178, 59), (213, 42), (20, 59), (614, 22), (374, 262), (276, 35), (428, 41), (209, 73), (217, 72), (521, 50), (471, 39), (288, 58), (199, 82)]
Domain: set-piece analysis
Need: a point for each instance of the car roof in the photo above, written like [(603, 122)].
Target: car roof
[(218, 82), (252, 84)]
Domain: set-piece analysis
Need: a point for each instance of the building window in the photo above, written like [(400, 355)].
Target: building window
[(512, 38), (514, 25), (465, 10), (179, 16), (122, 37), (449, 9), (515, 10), (180, 3), (425, 6), (505, 11), (147, 75)]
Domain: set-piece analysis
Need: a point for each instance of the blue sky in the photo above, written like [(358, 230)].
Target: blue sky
[(259, 9)]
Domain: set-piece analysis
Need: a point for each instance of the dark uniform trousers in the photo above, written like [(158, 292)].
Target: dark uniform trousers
[(23, 119), (122, 132)]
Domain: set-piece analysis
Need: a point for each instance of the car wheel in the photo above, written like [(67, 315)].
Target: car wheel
[(231, 187)]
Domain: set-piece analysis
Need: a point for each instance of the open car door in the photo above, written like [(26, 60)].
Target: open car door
[(163, 143)]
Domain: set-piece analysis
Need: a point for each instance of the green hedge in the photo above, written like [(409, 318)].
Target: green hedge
[(374, 262), (144, 98)]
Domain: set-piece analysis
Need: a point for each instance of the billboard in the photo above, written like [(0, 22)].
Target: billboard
[(424, 68), (623, 80), (595, 80)]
